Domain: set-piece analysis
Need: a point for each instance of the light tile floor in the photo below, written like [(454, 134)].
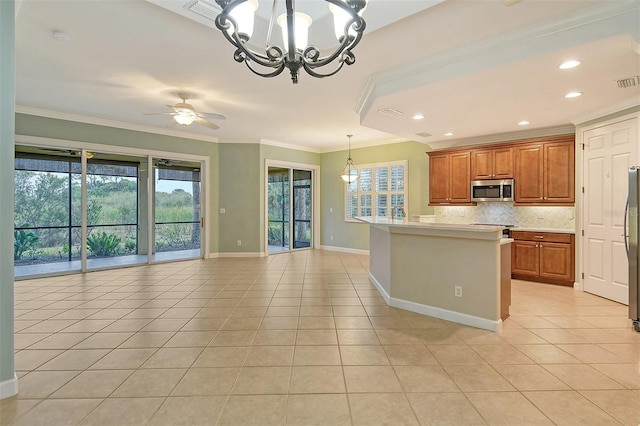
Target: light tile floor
[(304, 338)]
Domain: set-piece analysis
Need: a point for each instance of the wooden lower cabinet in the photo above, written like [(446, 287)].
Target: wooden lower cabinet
[(556, 261), (543, 257), (525, 258)]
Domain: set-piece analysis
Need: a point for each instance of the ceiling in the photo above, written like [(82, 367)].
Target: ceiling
[(474, 68)]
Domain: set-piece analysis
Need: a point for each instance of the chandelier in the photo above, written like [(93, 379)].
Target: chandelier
[(236, 23)]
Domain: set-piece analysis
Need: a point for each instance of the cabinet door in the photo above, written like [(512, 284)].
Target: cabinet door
[(525, 258), (482, 164), (439, 179), (503, 163), (528, 179), (559, 177), (555, 261), (460, 177)]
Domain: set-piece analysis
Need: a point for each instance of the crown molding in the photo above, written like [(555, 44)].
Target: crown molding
[(569, 28), (20, 109), (369, 144), (504, 137), (287, 145), (612, 109), (270, 142)]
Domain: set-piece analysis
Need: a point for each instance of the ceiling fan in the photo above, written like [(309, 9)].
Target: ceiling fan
[(70, 152), (185, 114)]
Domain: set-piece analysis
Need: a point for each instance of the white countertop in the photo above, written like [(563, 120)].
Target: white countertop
[(557, 230), (377, 220)]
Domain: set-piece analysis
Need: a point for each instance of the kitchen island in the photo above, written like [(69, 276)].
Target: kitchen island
[(447, 271)]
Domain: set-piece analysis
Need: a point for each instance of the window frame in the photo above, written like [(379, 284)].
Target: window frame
[(374, 193)]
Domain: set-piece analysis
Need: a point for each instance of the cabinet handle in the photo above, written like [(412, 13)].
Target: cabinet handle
[(538, 236)]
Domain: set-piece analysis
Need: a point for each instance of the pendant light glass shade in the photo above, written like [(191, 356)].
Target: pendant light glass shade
[(349, 173), (301, 24)]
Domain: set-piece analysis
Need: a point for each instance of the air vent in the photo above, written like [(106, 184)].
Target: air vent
[(390, 112), (203, 8), (629, 82), (424, 134)]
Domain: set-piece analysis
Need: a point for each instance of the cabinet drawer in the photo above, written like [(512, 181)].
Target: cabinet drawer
[(551, 237)]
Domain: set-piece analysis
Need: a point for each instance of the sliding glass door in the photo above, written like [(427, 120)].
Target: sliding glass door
[(289, 209), (47, 211), (81, 210), (278, 193), (113, 211), (302, 209), (177, 210)]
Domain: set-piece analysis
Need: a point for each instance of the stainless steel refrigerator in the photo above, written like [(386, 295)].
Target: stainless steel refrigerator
[(631, 243)]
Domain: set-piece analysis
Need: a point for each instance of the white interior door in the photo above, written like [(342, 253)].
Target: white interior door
[(608, 153)]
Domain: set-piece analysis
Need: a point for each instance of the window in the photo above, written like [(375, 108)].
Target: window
[(379, 188)]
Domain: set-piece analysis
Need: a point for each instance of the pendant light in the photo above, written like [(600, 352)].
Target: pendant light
[(349, 173)]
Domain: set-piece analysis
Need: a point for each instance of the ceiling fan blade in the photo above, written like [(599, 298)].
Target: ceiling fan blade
[(206, 123), (212, 115), (159, 113)]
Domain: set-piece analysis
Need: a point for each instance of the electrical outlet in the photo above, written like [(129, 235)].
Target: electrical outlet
[(331, 238), (458, 291), (222, 210), (330, 209), (239, 242)]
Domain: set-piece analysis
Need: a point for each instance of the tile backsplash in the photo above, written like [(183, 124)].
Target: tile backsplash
[(507, 214)]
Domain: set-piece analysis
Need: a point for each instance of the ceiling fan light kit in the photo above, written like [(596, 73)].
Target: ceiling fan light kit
[(185, 114), (236, 24)]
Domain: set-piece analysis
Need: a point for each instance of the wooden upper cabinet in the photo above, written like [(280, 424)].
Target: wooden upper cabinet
[(503, 163), (495, 163), (559, 172), (449, 178), (481, 164), (544, 172), (439, 178), (528, 177), (460, 177)]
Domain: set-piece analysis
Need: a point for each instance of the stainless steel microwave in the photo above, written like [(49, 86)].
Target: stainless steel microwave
[(492, 190)]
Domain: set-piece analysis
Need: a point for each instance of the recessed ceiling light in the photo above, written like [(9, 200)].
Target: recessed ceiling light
[(418, 117), (523, 123), (61, 35), (569, 64), (573, 95), (449, 134)]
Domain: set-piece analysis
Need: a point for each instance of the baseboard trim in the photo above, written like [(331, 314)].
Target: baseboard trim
[(345, 250), (436, 312), (9, 388), (237, 254)]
